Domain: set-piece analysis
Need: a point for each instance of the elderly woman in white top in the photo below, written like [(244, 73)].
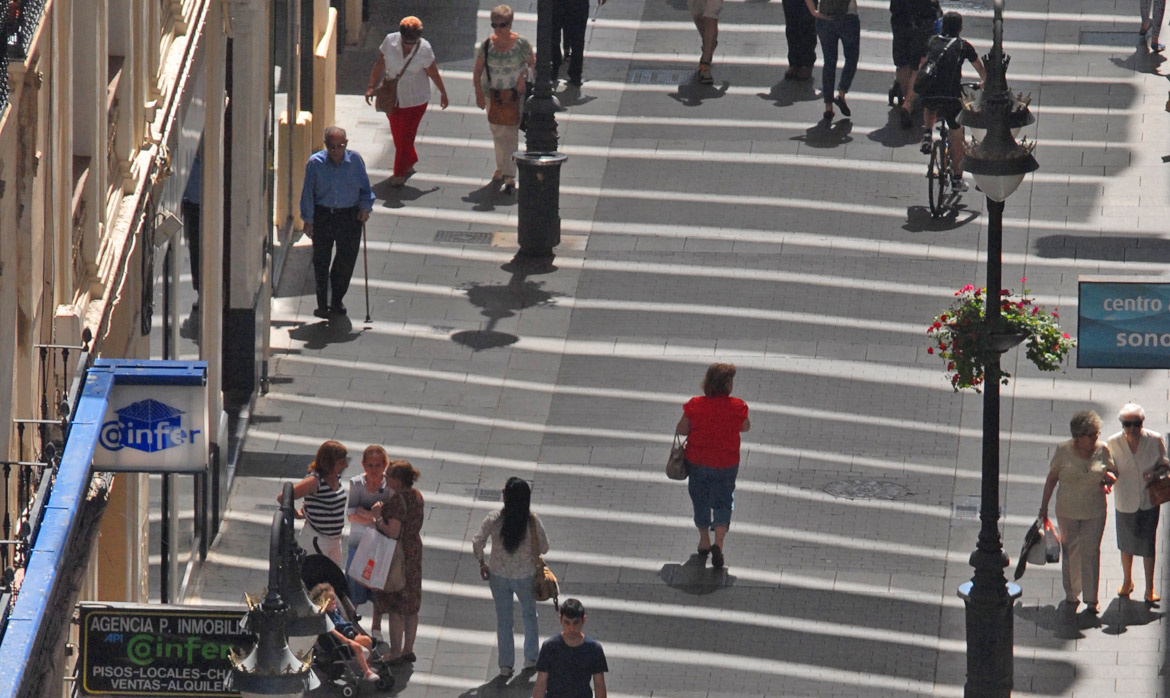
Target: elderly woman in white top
[(1140, 457), (510, 568), (406, 53)]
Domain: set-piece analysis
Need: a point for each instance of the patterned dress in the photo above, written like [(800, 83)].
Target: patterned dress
[(408, 601)]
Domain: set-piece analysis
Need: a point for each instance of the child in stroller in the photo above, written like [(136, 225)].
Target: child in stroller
[(345, 633)]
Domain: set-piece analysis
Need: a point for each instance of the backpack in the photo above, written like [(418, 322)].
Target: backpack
[(944, 57)]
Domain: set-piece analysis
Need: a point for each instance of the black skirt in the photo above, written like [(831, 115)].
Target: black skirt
[(1136, 532)]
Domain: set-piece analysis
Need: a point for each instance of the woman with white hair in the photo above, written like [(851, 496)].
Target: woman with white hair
[(1140, 457), (1084, 471)]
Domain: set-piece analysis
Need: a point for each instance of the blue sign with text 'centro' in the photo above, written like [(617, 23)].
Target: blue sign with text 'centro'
[(1123, 323)]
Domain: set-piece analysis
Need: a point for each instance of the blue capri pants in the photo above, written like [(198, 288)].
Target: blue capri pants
[(712, 493)]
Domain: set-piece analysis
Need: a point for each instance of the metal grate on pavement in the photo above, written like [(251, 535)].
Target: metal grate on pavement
[(463, 237), (658, 76)]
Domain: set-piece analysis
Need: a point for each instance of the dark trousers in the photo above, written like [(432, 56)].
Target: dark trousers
[(331, 227), (847, 30), (192, 232), (800, 30), (569, 22)]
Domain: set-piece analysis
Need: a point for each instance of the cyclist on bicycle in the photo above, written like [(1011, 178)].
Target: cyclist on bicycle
[(938, 86)]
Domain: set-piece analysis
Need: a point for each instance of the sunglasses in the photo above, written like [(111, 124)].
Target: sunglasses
[(500, 25), (1131, 423)]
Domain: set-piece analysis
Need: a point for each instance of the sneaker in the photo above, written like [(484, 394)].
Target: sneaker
[(958, 184), (926, 144), (372, 675), (705, 77)]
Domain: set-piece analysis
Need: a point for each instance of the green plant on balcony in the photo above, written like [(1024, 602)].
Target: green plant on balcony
[(963, 338)]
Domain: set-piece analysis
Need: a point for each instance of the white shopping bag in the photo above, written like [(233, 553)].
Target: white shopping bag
[(371, 562)]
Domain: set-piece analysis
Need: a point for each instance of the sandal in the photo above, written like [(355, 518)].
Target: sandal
[(509, 184), (705, 77), (1125, 590), (1152, 598)]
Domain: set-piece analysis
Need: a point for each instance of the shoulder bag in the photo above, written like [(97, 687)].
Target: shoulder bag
[(386, 96), (503, 106), (396, 577), (677, 467), (544, 582), (1160, 491)]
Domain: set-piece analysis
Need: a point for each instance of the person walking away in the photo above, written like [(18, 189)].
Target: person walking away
[(706, 16), (1140, 457), (912, 23), (939, 84), (502, 65), (406, 54), (191, 208), (800, 31), (1081, 473), (335, 203), (362, 509), (325, 498), (837, 21), (570, 17), (402, 519), (1153, 12), (712, 424), (570, 660), (509, 570)]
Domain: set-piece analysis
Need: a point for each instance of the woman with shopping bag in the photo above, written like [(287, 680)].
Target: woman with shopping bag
[(364, 506)]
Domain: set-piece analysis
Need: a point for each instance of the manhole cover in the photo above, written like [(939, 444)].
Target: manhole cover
[(866, 489), (463, 237), (1098, 38), (658, 76)]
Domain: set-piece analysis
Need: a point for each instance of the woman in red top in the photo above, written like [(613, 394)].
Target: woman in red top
[(712, 424)]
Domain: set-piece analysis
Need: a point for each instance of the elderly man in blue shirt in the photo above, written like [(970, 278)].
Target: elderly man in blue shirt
[(335, 204)]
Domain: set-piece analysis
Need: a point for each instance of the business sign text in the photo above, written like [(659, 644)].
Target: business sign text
[(1123, 323)]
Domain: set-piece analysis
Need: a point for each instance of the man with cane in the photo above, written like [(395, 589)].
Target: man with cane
[(335, 204)]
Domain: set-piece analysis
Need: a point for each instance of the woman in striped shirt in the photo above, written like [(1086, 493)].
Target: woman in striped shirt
[(325, 500)]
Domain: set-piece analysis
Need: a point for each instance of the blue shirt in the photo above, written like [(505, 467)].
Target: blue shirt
[(335, 185), (570, 669)]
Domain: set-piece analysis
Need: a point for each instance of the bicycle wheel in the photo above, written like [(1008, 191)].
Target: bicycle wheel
[(938, 178)]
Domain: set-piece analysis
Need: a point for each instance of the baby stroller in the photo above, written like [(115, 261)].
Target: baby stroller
[(333, 660)]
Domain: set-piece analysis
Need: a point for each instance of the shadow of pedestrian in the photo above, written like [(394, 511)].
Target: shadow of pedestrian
[(401, 673), (692, 93), (1061, 620), (396, 197), (497, 302), (318, 335), (487, 197), (827, 134), (570, 96), (892, 135), (1142, 60), (919, 219), (788, 92), (694, 577), (1123, 612), (519, 686)]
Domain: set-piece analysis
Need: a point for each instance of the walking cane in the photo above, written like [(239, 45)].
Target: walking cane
[(366, 265)]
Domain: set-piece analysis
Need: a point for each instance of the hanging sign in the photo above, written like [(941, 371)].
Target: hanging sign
[(1123, 323), (157, 650), (156, 418)]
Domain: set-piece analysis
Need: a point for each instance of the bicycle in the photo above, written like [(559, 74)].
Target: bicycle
[(939, 172)]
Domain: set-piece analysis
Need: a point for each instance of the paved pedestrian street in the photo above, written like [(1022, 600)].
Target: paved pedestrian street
[(724, 223)]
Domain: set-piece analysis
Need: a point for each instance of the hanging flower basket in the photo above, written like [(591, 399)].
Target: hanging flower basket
[(962, 338)]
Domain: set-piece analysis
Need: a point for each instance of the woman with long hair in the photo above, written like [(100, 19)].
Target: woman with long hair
[(712, 424), (510, 567), (325, 499), (402, 519)]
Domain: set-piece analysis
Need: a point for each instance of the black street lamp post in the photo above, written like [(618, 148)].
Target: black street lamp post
[(999, 165), (539, 225)]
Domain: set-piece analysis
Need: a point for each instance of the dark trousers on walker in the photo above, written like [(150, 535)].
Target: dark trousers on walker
[(340, 227), (570, 18), (800, 29)]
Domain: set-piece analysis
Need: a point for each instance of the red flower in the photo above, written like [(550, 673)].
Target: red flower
[(1004, 292), (930, 350), (1035, 310), (1023, 281), (1054, 313), (950, 365), (942, 347), (1066, 335), (943, 317)]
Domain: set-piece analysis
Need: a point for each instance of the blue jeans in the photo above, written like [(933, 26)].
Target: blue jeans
[(502, 590), (712, 493), (847, 29)]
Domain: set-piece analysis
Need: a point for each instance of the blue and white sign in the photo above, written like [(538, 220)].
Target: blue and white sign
[(1123, 323), (154, 426)]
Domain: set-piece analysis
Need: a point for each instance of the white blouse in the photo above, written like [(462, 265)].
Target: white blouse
[(414, 87), (1130, 492), (514, 565)]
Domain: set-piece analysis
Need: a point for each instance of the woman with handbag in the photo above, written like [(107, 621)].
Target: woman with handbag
[(1081, 473), (712, 424), (325, 500), (362, 509), (837, 20), (517, 537), (402, 519), (1140, 457), (406, 59), (502, 64)]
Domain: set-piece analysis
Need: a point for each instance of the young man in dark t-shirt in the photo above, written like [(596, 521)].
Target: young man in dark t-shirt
[(568, 661), (945, 101)]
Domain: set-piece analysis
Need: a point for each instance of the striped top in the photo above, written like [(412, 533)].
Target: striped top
[(325, 508)]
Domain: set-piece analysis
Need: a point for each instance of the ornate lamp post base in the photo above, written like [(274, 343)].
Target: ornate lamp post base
[(539, 211)]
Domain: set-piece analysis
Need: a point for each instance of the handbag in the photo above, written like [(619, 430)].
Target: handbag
[(396, 576), (677, 467), (1051, 542), (386, 94), (504, 107), (544, 582), (1033, 549), (372, 559), (833, 8), (1160, 491)]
